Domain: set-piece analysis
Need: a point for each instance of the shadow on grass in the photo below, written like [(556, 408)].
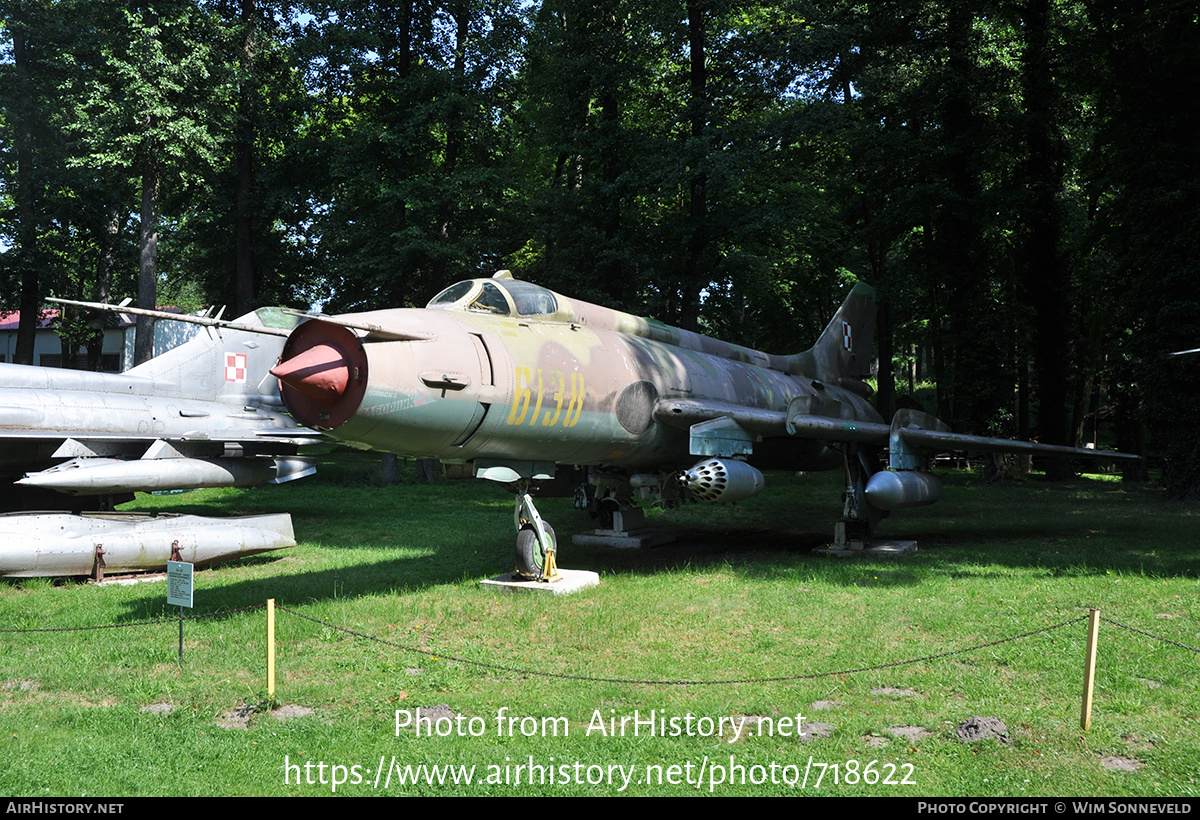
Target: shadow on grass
[(361, 540)]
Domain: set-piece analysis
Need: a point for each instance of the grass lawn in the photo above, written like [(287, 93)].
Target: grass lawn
[(738, 597)]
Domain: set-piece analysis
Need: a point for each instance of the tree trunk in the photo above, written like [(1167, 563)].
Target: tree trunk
[(1047, 279), (694, 274), (148, 268), (247, 102), (104, 274), (66, 345), (427, 469), (454, 135), (885, 397), (1023, 423), (390, 469), (27, 250)]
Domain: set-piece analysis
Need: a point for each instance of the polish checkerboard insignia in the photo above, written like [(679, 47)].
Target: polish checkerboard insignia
[(235, 367), (847, 336)]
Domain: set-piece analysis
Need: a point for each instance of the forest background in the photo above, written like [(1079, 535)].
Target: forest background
[(1017, 178)]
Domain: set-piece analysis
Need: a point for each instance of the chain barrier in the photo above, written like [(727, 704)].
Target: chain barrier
[(1149, 634), (173, 620), (627, 681), (590, 679)]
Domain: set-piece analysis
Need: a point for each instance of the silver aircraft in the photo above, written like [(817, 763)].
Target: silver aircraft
[(205, 414)]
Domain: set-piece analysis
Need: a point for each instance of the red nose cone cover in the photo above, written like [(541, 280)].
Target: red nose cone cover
[(321, 373)]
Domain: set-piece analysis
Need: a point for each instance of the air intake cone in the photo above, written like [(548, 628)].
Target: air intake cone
[(321, 373)]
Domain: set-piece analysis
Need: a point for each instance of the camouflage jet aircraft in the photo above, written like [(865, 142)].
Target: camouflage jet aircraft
[(506, 380), (204, 414)]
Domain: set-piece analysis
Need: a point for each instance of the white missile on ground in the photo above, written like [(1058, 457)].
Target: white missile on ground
[(101, 476), (36, 545)]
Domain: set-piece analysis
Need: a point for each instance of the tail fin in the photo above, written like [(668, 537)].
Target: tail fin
[(842, 354), (223, 363)]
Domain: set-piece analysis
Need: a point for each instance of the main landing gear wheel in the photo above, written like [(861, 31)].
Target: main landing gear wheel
[(530, 556)]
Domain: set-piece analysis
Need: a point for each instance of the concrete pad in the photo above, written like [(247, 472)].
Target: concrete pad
[(880, 548), (635, 539), (568, 581)]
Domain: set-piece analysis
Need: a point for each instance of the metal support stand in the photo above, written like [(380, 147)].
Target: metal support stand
[(628, 531), (98, 566)]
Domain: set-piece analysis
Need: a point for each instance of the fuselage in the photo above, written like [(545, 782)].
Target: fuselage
[(476, 378), (42, 407)]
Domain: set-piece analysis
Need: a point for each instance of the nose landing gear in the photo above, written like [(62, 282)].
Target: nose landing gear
[(536, 545)]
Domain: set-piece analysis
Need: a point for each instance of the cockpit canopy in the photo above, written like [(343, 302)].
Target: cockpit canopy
[(503, 297)]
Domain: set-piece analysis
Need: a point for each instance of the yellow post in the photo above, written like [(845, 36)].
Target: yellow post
[(271, 648), (1089, 671)]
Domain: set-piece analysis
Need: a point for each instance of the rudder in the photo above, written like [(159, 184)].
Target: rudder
[(842, 353)]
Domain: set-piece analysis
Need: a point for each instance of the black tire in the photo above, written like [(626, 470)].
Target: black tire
[(531, 558)]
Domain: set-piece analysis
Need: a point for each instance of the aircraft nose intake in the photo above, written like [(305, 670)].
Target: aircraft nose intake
[(321, 373)]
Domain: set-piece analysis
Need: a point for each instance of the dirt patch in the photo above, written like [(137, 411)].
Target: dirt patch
[(19, 685), (111, 700), (291, 711), (158, 708), (976, 729), (876, 742), (898, 693), (1121, 764), (237, 718), (1138, 743), (822, 705), (433, 714), (815, 729), (910, 733), (812, 729), (751, 723)]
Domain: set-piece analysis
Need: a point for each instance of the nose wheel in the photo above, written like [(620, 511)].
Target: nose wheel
[(536, 545)]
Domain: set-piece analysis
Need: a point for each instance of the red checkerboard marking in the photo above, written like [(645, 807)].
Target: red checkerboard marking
[(235, 367)]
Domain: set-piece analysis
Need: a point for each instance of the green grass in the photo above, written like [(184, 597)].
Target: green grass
[(738, 596)]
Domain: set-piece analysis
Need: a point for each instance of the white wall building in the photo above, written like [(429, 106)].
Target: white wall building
[(117, 354)]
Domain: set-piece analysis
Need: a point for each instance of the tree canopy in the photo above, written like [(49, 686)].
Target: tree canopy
[(1017, 178)]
